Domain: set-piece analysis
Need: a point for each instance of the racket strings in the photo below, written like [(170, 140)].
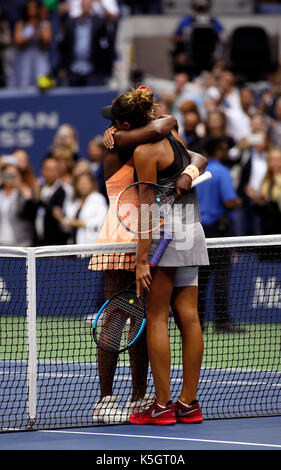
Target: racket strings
[(142, 207), (120, 322)]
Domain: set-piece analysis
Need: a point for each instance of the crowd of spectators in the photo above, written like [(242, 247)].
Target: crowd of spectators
[(241, 128), (237, 125), (65, 204), (72, 41), (236, 130)]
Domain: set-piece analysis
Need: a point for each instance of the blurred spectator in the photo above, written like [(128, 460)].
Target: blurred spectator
[(222, 90), (275, 124), (64, 158), (269, 200), (57, 11), (66, 137), (17, 211), (253, 163), (239, 154), (239, 115), (28, 176), (108, 10), (183, 90), (237, 104), (82, 166), (217, 198), (197, 39), (259, 122), (82, 48), (5, 42), (52, 197), (96, 154), (191, 131), (188, 106), (65, 161), (216, 126), (32, 37), (85, 218), (229, 94)]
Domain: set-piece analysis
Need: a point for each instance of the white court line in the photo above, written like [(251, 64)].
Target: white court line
[(164, 437)]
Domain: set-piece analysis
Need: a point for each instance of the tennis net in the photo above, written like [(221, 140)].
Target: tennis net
[(50, 371)]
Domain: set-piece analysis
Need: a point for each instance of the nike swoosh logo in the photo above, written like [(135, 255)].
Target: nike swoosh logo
[(154, 415), (181, 414)]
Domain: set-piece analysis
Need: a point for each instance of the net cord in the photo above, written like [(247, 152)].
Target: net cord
[(88, 250)]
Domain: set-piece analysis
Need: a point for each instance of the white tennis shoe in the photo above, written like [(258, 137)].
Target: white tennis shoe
[(108, 412), (138, 405)]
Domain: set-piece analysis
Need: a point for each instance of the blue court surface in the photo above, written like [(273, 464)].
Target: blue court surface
[(223, 434), (228, 434)]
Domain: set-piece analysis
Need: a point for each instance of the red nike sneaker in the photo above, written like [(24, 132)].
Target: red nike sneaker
[(188, 413), (156, 414)]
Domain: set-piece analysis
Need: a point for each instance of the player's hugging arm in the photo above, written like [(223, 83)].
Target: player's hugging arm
[(154, 131), (196, 167)]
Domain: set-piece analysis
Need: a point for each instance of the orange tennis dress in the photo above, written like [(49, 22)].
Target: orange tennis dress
[(112, 231)]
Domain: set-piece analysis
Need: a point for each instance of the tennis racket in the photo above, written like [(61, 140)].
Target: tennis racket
[(121, 320), (143, 207)]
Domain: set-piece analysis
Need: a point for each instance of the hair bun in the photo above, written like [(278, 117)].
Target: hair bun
[(141, 96)]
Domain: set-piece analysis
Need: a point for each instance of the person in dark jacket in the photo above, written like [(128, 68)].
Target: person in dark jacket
[(52, 196), (82, 49)]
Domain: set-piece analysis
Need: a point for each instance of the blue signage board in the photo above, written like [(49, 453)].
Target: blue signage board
[(29, 120), (65, 286)]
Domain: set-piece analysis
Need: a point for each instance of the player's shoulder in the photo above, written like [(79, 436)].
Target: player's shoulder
[(144, 150)]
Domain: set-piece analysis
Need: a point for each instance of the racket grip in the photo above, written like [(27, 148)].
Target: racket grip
[(161, 247)]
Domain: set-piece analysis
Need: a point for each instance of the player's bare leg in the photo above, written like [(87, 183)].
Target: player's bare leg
[(186, 316)]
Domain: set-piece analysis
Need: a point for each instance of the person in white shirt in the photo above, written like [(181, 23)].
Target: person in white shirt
[(86, 216), (16, 228), (254, 162), (224, 94), (239, 116)]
